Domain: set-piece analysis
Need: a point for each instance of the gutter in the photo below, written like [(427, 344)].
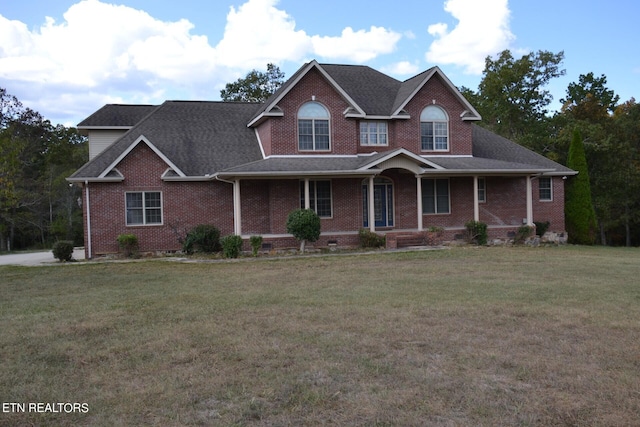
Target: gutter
[(86, 187)]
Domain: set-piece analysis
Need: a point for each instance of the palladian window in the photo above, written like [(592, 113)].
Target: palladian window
[(434, 129)]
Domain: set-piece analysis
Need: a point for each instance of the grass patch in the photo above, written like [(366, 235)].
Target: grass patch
[(468, 336)]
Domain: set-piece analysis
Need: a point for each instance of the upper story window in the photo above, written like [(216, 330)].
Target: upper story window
[(434, 129), (313, 127), (373, 133)]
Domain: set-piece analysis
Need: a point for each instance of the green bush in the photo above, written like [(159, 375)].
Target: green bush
[(304, 224), (128, 243), (256, 244), (524, 231), (477, 232), (202, 238), (63, 250), (369, 239), (541, 227), (231, 246)]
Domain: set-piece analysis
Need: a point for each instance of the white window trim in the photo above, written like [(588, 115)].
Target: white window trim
[(550, 199), (368, 143), (439, 150), (313, 128), (436, 198), (144, 216), (315, 196), (484, 190)]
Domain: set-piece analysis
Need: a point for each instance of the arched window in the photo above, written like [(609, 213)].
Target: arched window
[(434, 129), (313, 127)]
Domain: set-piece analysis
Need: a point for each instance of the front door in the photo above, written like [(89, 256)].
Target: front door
[(382, 203)]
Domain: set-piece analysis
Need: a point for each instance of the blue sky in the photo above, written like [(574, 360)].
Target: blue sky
[(67, 58)]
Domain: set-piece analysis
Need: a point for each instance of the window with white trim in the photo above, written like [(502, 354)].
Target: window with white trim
[(313, 127), (545, 189), (373, 133), (435, 196), (482, 190), (144, 208), (319, 197), (434, 129)]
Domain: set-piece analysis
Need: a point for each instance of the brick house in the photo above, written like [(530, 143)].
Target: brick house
[(362, 149)]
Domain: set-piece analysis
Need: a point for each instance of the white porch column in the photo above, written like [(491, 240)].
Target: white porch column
[(476, 202), (529, 202), (307, 198), (419, 200), (237, 209), (372, 216)]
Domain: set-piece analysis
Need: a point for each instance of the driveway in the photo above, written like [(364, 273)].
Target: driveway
[(37, 258)]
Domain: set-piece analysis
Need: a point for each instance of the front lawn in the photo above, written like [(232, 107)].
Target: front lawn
[(459, 337)]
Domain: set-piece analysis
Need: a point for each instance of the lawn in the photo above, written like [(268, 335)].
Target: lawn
[(460, 337)]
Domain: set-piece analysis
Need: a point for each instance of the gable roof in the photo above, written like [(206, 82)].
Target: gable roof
[(198, 138), (369, 92)]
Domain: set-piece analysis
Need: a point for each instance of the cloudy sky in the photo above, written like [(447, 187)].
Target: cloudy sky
[(67, 58)]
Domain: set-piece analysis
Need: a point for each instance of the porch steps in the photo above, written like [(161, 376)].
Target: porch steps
[(410, 240)]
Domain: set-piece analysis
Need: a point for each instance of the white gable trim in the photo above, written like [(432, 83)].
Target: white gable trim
[(469, 114), (124, 154), (397, 153), (313, 64)]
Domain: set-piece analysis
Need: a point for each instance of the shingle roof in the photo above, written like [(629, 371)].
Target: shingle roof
[(198, 137), (117, 115)]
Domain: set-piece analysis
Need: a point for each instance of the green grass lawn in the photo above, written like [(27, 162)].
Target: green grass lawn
[(460, 337)]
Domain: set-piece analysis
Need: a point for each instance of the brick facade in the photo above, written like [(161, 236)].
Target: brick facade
[(265, 202)]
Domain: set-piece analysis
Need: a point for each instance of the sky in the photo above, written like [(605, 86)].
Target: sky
[(67, 58)]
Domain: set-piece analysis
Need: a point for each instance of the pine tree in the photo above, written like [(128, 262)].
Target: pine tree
[(579, 212)]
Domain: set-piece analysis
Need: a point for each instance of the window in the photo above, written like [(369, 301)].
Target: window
[(144, 208), (435, 196), (313, 127), (545, 189), (482, 190), (319, 197), (373, 133), (434, 129)]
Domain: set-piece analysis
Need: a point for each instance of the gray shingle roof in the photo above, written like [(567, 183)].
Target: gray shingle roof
[(198, 137), (117, 115)]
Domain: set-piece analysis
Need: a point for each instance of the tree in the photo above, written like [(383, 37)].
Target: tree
[(304, 224), (255, 87), (512, 98), (579, 213), (590, 99)]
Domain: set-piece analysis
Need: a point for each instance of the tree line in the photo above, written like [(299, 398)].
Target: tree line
[(37, 205)]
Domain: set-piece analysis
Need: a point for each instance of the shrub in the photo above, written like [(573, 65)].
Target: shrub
[(256, 244), (477, 232), (541, 227), (304, 224), (63, 250), (523, 232), (202, 238), (231, 246), (369, 239), (128, 243)]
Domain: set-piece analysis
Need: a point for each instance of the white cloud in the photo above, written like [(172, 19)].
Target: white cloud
[(359, 46), (107, 52), (483, 30), (402, 68)]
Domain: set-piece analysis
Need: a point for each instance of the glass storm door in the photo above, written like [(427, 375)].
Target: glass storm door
[(382, 203)]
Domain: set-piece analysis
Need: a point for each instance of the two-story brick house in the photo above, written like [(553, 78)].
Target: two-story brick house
[(362, 149)]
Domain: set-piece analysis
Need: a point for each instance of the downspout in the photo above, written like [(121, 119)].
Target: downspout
[(86, 190)]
